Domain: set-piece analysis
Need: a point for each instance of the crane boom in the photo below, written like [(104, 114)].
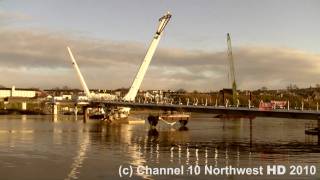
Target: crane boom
[(232, 72), (131, 95), (83, 83)]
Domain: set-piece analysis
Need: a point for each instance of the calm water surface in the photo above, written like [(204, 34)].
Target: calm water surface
[(36, 147)]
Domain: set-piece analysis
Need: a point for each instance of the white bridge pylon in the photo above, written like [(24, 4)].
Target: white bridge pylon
[(76, 67), (131, 95)]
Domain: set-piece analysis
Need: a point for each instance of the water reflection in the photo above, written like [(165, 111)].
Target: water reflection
[(23, 118), (217, 142), (81, 155)]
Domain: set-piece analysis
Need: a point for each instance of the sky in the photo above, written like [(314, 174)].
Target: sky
[(275, 43)]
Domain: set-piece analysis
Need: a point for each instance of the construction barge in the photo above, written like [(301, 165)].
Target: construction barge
[(170, 118)]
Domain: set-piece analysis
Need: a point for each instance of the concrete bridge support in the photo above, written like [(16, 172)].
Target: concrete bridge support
[(227, 103), (24, 106), (85, 114), (54, 111), (250, 132), (76, 110), (55, 108), (318, 130), (195, 101), (5, 104)]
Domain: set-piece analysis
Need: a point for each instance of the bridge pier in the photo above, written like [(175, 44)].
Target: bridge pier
[(195, 102), (318, 130), (317, 106), (24, 106), (55, 108), (5, 104), (76, 110), (249, 103), (85, 114), (250, 133), (54, 118), (288, 105), (302, 105), (227, 103)]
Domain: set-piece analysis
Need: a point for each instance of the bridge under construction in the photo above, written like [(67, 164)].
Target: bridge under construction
[(121, 107), (235, 111)]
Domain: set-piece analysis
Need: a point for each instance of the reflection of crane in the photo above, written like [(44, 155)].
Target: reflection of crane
[(232, 72)]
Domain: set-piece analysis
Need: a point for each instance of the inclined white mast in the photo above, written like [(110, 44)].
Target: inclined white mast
[(83, 83), (131, 95)]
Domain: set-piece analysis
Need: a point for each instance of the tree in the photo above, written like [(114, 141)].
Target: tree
[(65, 87), (181, 91), (263, 88), (292, 87)]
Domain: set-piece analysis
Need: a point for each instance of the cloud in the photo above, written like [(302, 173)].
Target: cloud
[(39, 59), (10, 17)]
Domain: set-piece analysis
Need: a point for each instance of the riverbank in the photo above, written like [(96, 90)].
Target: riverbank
[(20, 112)]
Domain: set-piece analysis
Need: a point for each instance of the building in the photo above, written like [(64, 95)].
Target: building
[(60, 92), (17, 92)]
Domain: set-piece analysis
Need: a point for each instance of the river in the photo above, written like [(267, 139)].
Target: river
[(38, 147)]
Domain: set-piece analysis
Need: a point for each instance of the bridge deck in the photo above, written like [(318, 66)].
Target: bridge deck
[(281, 113)]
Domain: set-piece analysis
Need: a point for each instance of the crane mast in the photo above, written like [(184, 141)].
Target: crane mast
[(232, 72)]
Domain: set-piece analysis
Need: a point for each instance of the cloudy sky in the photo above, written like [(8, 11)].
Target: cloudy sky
[(275, 43)]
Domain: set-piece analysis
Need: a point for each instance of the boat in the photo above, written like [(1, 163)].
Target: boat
[(170, 118)]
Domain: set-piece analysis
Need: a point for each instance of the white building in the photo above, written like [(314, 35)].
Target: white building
[(13, 92)]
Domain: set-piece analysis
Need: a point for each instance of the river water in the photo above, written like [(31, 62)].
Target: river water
[(38, 147)]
